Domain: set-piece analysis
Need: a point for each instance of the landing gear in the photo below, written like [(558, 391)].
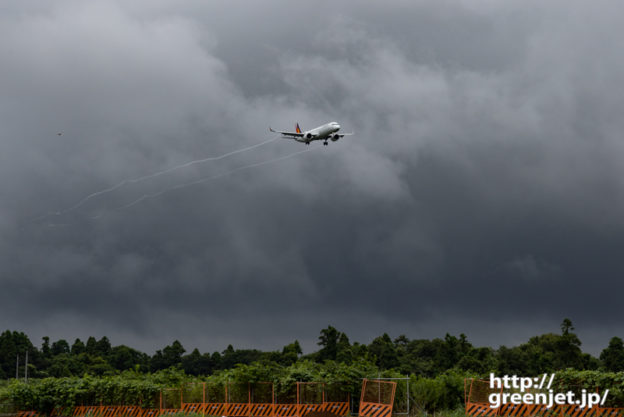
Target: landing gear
[(308, 143), (325, 143)]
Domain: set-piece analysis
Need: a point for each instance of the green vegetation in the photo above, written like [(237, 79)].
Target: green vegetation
[(93, 372)]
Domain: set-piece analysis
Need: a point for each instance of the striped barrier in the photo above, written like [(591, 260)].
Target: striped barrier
[(28, 414), (610, 412), (517, 410), (377, 398), (79, 411), (111, 411), (83, 410), (130, 411), (261, 409), (480, 409), (105, 411), (532, 410), (193, 408), (305, 409), (215, 409), (237, 409), (375, 410), (337, 408), (169, 411), (150, 412), (576, 411), (285, 410)]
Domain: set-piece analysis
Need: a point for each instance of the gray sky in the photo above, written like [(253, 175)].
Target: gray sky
[(482, 192)]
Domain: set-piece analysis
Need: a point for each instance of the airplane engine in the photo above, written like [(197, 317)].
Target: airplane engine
[(335, 138), (308, 135)]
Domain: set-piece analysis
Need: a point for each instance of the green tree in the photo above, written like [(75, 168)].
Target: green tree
[(290, 353), (569, 347), (103, 347), (384, 351), (45, 347), (91, 346), (328, 340), (168, 357), (78, 347), (612, 356), (566, 326), (13, 344), (343, 349), (197, 364), (59, 347), (123, 357)]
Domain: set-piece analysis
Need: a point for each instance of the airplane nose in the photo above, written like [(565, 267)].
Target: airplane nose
[(337, 126)]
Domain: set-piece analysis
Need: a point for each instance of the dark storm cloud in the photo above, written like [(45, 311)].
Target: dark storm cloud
[(482, 189)]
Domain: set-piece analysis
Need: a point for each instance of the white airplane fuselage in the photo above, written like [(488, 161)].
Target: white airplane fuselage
[(327, 131)]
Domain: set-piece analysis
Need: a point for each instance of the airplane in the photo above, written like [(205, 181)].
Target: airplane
[(324, 133)]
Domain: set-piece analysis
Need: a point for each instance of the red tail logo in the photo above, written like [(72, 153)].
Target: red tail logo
[(297, 129)]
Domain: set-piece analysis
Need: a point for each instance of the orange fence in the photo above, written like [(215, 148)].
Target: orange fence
[(27, 414), (377, 398), (231, 400), (477, 392), (304, 399)]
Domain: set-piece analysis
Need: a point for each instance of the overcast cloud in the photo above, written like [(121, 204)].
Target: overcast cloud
[(482, 192)]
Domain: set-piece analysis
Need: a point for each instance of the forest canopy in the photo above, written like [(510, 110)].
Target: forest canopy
[(420, 357)]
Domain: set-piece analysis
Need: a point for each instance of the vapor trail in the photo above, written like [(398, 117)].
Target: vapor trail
[(155, 174), (205, 179)]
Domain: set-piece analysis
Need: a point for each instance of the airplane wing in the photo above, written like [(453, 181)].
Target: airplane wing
[(345, 134), (291, 134)]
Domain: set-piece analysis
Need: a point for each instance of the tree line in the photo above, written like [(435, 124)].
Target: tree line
[(544, 353)]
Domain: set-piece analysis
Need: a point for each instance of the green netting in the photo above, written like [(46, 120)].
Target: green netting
[(400, 398), (311, 393), (7, 408), (193, 393), (336, 393), (238, 392), (86, 398), (479, 391), (286, 395), (171, 398), (215, 393), (261, 393), (149, 401), (380, 392)]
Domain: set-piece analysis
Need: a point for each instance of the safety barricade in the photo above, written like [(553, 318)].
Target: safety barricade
[(375, 410), (518, 410), (105, 411), (28, 414), (261, 410), (337, 408), (576, 411), (286, 410), (480, 409), (193, 408), (609, 412), (150, 412), (81, 410), (232, 400), (237, 410), (168, 411), (215, 409), (305, 409), (477, 394), (377, 398)]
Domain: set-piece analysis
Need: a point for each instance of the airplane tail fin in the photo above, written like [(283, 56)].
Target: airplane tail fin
[(297, 128)]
